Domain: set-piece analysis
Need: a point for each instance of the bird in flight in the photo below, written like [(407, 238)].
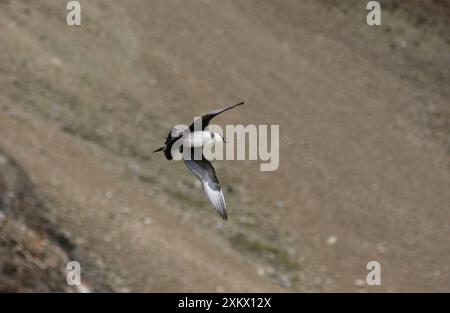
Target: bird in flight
[(194, 138)]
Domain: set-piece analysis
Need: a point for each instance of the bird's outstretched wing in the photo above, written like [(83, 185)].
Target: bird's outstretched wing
[(204, 171), (172, 137), (209, 116)]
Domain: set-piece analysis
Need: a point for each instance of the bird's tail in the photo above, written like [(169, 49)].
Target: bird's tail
[(159, 149)]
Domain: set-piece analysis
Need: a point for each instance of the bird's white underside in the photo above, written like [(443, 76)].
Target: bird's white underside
[(200, 139)]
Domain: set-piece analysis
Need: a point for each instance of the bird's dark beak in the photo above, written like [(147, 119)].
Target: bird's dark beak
[(224, 141)]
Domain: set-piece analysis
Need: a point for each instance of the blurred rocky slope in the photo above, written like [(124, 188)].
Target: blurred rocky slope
[(365, 174), (33, 253)]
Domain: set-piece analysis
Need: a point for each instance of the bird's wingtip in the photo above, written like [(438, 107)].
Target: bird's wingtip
[(224, 215)]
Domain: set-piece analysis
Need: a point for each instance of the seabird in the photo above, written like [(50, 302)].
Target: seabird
[(202, 169)]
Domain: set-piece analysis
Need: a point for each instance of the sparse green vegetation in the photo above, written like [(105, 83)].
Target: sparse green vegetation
[(273, 254)]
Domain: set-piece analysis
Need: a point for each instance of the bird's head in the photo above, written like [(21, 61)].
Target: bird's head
[(217, 138)]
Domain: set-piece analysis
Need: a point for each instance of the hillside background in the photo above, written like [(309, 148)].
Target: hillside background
[(364, 115)]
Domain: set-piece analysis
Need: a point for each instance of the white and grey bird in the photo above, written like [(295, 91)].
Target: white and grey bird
[(202, 168)]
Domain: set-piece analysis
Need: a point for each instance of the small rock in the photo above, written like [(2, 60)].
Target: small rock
[(359, 283), (437, 273), (147, 221), (124, 290), (2, 217), (261, 271), (285, 281), (56, 61), (108, 194), (381, 248), (83, 288), (279, 204), (220, 289), (3, 160), (100, 263), (332, 240)]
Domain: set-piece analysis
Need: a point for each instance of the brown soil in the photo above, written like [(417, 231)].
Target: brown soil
[(364, 121)]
